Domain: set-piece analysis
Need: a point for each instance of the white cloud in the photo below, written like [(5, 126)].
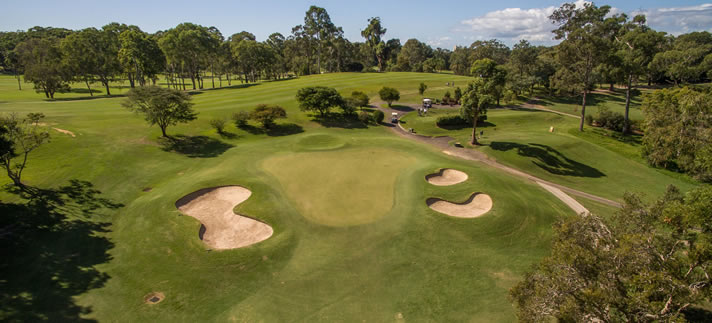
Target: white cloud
[(513, 24), (439, 42), (679, 20)]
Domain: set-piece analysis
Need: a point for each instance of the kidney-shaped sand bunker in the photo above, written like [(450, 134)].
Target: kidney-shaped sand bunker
[(221, 228), (446, 177), (478, 204)]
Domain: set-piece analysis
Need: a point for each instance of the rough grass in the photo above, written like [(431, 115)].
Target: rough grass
[(102, 260)]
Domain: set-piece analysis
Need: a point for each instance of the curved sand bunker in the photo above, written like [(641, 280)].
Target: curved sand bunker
[(221, 228), (478, 204), (446, 177)]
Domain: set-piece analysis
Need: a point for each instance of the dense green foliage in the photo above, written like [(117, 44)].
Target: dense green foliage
[(650, 262), (678, 131), (319, 98)]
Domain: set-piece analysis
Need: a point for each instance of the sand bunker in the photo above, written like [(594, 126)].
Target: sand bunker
[(221, 228), (478, 204), (446, 177), (66, 132)]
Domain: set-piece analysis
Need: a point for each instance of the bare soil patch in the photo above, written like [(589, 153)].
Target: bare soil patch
[(446, 177), (220, 227), (66, 132), (477, 205), (154, 298)]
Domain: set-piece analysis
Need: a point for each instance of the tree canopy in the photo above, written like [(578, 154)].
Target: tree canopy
[(160, 106), (319, 98), (650, 262)]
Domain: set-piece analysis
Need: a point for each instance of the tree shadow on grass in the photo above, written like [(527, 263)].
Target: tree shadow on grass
[(194, 146), (277, 130), (50, 246), (85, 98), (338, 120), (401, 108), (549, 159)]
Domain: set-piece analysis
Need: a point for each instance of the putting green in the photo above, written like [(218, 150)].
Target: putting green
[(340, 188)]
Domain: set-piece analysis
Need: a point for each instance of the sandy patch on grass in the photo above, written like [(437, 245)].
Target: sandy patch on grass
[(478, 204), (154, 298), (446, 177), (66, 132), (221, 228)]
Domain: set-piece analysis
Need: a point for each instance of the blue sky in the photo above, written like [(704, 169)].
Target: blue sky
[(442, 23)]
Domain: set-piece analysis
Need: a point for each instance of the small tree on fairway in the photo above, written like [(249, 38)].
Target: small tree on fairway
[(319, 98), (160, 106), (422, 88), (389, 95), (240, 118), (475, 100), (18, 137), (266, 114)]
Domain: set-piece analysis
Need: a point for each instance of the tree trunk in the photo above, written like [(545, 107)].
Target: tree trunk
[(163, 131), (131, 80), (583, 110), (88, 87), (192, 79), (212, 75), (626, 121), (474, 141), (106, 84), (19, 84), (611, 88)]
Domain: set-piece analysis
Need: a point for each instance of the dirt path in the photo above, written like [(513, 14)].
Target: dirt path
[(443, 144)]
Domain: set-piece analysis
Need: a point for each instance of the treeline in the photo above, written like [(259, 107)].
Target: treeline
[(624, 51)]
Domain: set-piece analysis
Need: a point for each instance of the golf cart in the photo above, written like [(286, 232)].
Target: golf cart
[(394, 117), (427, 103)]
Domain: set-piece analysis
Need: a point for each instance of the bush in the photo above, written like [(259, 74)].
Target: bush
[(378, 116), (218, 124), (266, 114), (360, 99), (451, 120), (241, 118), (589, 119), (610, 120), (364, 117)]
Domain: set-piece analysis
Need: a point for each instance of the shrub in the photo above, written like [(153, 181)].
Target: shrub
[(218, 124), (266, 114), (241, 118), (378, 116), (610, 120), (451, 120), (589, 119), (364, 117)]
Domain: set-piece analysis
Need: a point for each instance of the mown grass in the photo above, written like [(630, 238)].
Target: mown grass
[(593, 161), (115, 236)]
